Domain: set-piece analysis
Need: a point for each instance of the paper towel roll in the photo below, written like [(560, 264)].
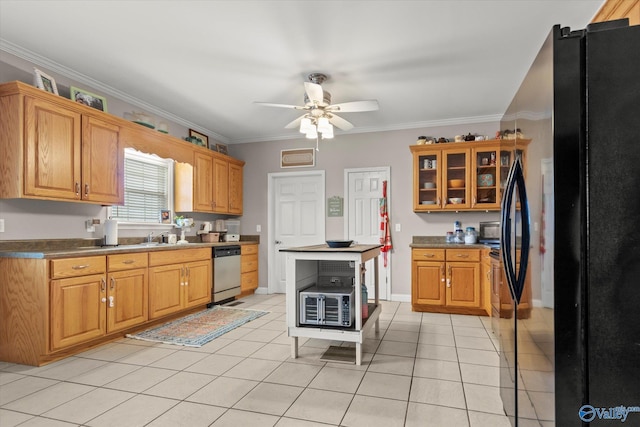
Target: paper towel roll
[(111, 232)]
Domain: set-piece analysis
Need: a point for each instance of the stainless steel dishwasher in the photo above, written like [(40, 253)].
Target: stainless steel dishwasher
[(226, 273)]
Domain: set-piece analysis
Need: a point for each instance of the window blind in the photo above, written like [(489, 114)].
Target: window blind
[(146, 188)]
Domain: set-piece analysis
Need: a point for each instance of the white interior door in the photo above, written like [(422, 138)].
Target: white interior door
[(296, 218), (363, 190)]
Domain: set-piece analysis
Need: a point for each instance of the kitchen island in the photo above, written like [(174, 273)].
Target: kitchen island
[(303, 270)]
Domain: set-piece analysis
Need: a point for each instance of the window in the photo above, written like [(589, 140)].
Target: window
[(148, 188)]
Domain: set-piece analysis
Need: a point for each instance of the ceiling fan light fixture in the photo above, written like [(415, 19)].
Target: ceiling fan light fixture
[(324, 125), (312, 133), (328, 134), (305, 125)]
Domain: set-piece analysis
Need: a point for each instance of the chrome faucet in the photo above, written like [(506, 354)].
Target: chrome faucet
[(150, 237)]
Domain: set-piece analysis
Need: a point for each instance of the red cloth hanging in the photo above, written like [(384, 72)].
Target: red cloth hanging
[(385, 232)]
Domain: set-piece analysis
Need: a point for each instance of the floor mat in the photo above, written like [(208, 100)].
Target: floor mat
[(198, 329)]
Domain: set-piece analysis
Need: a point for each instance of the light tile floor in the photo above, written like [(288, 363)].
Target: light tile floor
[(422, 369)]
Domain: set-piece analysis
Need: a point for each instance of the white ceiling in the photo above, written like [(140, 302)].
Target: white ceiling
[(206, 62)]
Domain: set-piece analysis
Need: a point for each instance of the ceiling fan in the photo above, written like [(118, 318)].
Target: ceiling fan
[(320, 115)]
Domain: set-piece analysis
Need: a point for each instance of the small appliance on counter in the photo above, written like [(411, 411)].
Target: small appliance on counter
[(233, 231), (489, 233), (206, 233)]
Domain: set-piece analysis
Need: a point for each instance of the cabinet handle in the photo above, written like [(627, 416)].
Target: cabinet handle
[(462, 255), (80, 267), (442, 272), (129, 261), (86, 189), (111, 303), (103, 285), (429, 255), (439, 204), (181, 276), (113, 283), (474, 201), (77, 188), (449, 277), (188, 273)]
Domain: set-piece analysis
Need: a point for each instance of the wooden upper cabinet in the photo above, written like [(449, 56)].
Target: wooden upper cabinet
[(463, 176), (52, 150), (102, 162), (618, 9), (66, 152), (235, 188), (217, 184), (220, 185), (202, 183)]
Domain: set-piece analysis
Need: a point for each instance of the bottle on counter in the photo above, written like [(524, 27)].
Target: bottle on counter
[(458, 234), (449, 238)]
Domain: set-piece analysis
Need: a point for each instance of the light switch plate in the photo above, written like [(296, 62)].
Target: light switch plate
[(258, 228), (1, 225), (398, 227)]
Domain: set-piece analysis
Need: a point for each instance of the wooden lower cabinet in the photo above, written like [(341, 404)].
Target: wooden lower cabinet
[(249, 269), (127, 291), (84, 307), (78, 312), (178, 286), (54, 308), (447, 281)]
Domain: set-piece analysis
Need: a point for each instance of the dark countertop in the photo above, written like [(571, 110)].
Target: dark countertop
[(65, 248), (439, 242)]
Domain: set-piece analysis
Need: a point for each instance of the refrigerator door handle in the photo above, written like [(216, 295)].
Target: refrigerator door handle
[(515, 181)]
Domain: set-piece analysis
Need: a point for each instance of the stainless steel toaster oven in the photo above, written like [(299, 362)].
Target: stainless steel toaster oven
[(327, 305)]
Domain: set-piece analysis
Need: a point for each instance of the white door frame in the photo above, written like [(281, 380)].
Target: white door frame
[(271, 245), (387, 280)]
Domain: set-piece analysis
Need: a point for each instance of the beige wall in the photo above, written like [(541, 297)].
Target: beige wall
[(353, 150)]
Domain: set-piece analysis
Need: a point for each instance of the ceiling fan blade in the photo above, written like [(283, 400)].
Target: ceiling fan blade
[(296, 123), (355, 106), (269, 104), (340, 123), (314, 92)]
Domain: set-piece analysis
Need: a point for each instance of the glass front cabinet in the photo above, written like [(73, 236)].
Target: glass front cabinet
[(463, 176)]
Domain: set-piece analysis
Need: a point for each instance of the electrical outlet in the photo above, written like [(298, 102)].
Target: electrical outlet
[(398, 227), (88, 225), (1, 225), (258, 228)]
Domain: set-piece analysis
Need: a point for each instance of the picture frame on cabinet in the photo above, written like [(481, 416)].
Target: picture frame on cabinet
[(202, 137), (89, 99), (221, 148), (44, 81)]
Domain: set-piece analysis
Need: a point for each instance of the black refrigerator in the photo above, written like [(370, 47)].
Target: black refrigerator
[(570, 218)]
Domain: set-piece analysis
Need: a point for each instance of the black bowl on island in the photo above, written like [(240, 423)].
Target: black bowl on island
[(339, 243)]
